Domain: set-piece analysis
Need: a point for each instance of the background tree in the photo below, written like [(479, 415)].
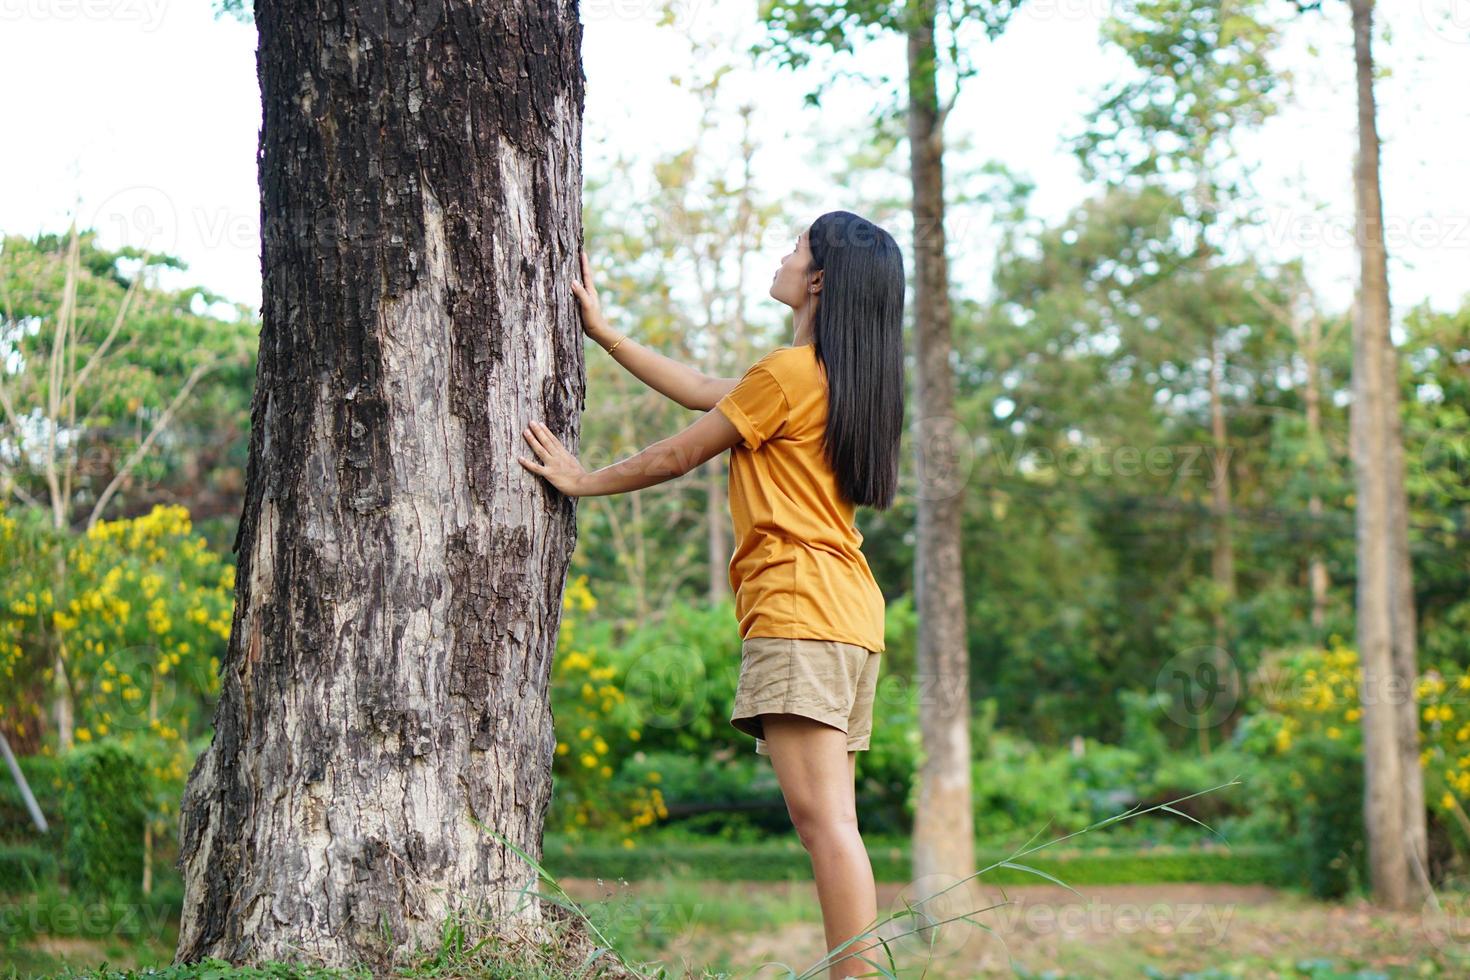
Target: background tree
[(1387, 626), (935, 33), (1203, 76)]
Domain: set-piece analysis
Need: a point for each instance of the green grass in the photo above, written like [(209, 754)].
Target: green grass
[(623, 932)]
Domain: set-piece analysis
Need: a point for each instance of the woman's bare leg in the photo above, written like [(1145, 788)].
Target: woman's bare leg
[(807, 756)]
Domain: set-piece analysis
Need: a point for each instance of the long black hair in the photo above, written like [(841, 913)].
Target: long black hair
[(858, 335)]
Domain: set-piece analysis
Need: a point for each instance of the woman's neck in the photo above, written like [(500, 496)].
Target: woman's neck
[(803, 332)]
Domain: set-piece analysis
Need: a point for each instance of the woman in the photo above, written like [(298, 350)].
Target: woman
[(813, 429)]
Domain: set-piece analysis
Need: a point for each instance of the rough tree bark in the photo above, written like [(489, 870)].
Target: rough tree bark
[(943, 836), (400, 576)]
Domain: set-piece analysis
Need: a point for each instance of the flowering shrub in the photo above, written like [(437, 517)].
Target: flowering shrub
[(1309, 730), (139, 611), (597, 727)]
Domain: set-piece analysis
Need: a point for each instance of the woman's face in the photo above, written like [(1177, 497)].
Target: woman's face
[(789, 284)]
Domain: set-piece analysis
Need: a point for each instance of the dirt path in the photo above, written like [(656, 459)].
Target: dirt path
[(1109, 930)]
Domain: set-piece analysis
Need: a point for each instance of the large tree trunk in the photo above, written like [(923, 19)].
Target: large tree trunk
[(943, 842), (1383, 812), (400, 575), (1400, 586)]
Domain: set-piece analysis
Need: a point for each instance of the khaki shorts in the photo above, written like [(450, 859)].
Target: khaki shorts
[(828, 680)]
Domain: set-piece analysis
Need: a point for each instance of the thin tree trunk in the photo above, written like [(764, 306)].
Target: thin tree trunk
[(400, 575), (1317, 577), (1403, 622), (943, 842), (1383, 812), (1222, 558)]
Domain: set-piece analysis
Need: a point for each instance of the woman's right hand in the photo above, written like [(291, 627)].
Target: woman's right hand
[(594, 325)]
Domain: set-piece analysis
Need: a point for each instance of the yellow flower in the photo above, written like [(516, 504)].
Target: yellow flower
[(628, 842), (1447, 802), (654, 777), (1333, 732), (599, 746), (633, 734), (83, 735), (562, 748), (585, 734), (589, 760)]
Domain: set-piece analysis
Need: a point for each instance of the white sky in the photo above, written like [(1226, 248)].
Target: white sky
[(147, 113)]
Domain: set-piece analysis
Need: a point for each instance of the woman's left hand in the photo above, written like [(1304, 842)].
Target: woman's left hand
[(557, 465)]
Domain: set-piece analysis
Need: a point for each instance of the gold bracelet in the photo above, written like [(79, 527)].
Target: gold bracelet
[(615, 346)]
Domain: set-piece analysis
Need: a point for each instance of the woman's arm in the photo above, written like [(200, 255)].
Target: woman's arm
[(711, 434), (690, 388), (683, 384)]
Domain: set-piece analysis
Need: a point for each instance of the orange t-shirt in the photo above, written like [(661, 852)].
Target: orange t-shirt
[(798, 568)]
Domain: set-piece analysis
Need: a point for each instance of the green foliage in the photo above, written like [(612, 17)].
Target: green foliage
[(1435, 386), (783, 860), (147, 396), (105, 807), (643, 728), (1306, 729), (22, 866), (1331, 845)]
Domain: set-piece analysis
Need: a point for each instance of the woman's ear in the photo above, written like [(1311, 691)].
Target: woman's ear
[(815, 286)]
